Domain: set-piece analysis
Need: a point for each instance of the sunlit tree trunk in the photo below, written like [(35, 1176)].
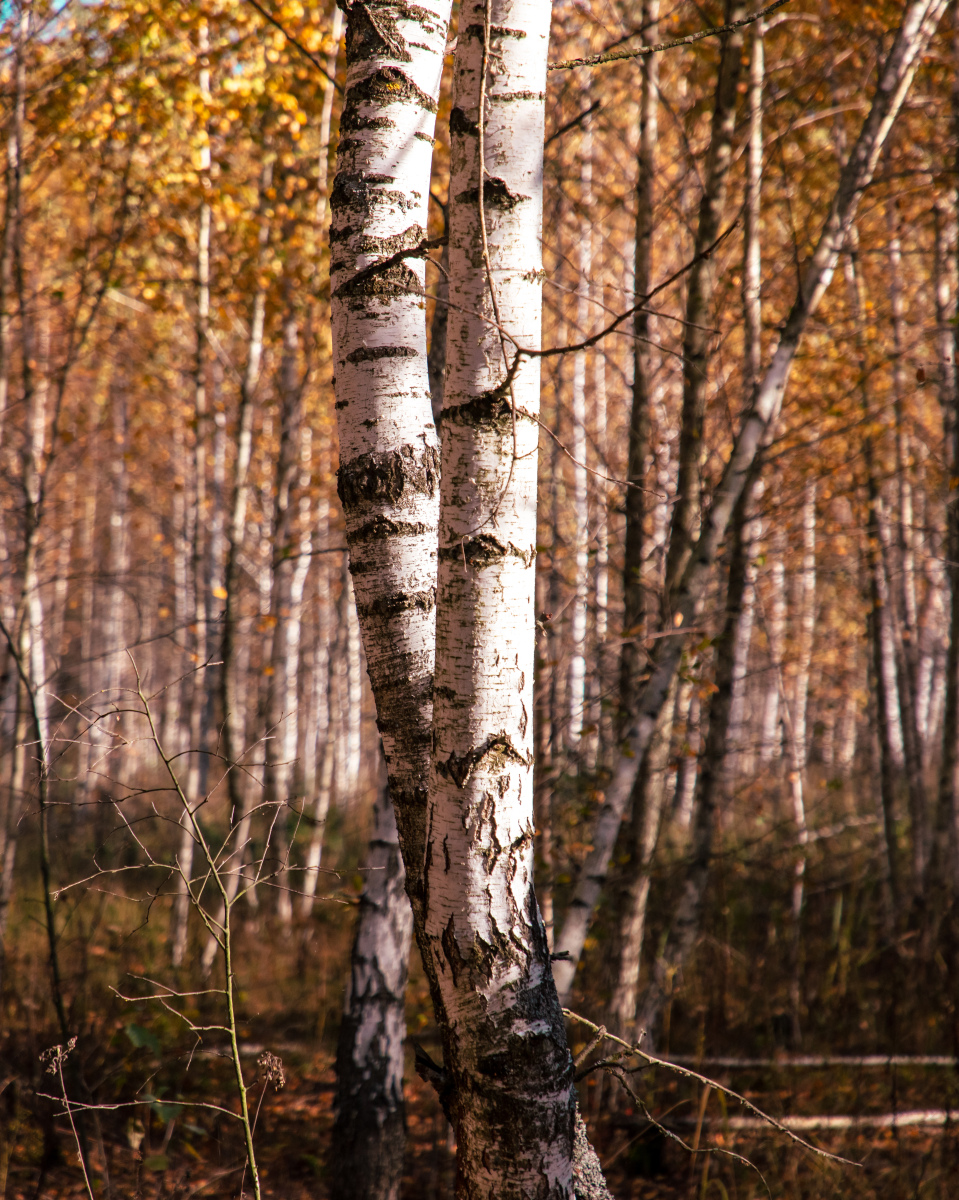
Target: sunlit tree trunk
[(198, 681), (580, 605), (512, 1102)]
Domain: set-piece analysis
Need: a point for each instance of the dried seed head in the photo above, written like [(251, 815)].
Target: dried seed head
[(56, 1056), (272, 1068)]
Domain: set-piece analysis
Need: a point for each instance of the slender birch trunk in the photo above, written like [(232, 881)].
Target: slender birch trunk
[(287, 581), (198, 681), (686, 922), (877, 604), (946, 845), (795, 713), (512, 1102), (599, 677), (697, 336), (580, 605), (647, 810), (692, 570), (688, 704), (640, 422), (369, 1133), (319, 756), (907, 626)]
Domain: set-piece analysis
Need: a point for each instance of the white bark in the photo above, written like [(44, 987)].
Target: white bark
[(580, 605), (389, 460), (771, 735), (512, 1102)]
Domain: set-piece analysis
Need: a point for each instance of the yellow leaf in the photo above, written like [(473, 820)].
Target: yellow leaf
[(219, 592)]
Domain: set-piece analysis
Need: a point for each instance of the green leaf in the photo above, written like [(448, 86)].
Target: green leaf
[(142, 1037), (156, 1162), (167, 1112)]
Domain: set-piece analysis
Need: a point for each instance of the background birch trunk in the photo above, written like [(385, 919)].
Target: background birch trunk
[(946, 845), (876, 584), (691, 576), (369, 1133), (580, 605), (686, 921)]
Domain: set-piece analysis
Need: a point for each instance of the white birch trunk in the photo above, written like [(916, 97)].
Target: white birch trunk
[(580, 605), (389, 458), (770, 746), (198, 681), (512, 1102)]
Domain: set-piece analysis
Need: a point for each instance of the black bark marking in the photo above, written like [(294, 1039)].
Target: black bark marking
[(391, 606), (461, 124), (388, 85), (370, 33), (356, 197), (409, 239), (395, 280), (498, 749), (382, 527), (484, 550), (386, 477), (476, 31), (491, 409), (496, 194), (507, 96), (372, 353), (422, 16)]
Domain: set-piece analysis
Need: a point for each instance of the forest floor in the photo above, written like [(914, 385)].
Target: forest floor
[(862, 994), (178, 1159)]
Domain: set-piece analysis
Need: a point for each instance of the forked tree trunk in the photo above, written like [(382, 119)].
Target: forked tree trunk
[(389, 458)]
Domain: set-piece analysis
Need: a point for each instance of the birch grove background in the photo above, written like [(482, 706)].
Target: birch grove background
[(773, 901)]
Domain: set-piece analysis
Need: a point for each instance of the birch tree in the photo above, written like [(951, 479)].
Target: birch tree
[(507, 1077)]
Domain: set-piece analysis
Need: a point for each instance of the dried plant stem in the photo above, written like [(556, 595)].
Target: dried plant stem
[(221, 931)]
